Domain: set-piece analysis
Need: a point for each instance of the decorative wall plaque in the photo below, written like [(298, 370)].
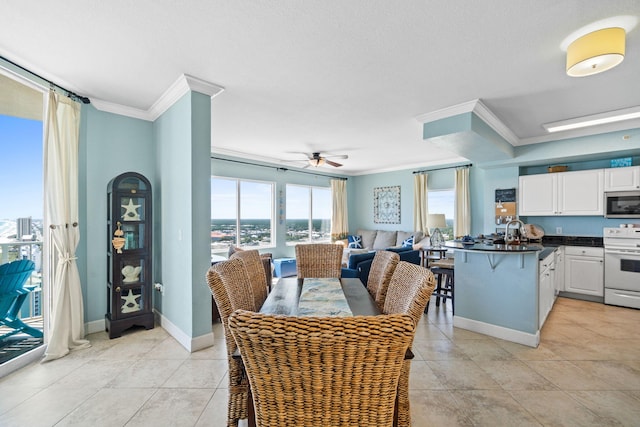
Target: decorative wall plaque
[(386, 205)]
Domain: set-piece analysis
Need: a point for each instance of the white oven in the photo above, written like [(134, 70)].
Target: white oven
[(622, 266)]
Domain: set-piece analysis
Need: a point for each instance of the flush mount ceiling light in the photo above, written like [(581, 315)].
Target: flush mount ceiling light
[(593, 120), (596, 52)]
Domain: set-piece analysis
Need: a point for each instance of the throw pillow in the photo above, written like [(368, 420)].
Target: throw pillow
[(407, 242), (355, 242), (233, 249)]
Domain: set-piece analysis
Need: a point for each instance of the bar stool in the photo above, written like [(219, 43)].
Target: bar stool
[(444, 286)]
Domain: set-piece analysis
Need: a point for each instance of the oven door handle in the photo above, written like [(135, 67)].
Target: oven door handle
[(631, 253)]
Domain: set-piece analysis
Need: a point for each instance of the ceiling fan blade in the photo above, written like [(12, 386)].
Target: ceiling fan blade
[(329, 162), (336, 156)]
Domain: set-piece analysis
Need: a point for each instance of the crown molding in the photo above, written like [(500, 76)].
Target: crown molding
[(477, 107), (177, 90), (454, 110), (495, 123), (123, 110)]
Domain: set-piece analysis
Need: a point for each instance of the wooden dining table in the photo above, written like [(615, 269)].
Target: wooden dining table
[(284, 299)]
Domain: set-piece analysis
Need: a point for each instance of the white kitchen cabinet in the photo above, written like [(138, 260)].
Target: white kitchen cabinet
[(546, 288), (538, 194), (577, 193), (584, 270), (622, 179)]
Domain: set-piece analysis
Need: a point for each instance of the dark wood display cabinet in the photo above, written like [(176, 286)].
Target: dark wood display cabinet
[(129, 272)]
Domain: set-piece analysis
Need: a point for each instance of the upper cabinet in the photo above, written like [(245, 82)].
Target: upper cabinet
[(566, 193), (622, 179), (538, 195)]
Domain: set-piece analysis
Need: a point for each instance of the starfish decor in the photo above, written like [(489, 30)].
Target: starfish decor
[(130, 303), (131, 213)]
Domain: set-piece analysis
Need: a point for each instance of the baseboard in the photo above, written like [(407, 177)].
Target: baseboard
[(524, 338), (189, 343), (583, 297), (95, 326)]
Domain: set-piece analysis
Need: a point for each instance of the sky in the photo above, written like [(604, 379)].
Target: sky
[(21, 193)]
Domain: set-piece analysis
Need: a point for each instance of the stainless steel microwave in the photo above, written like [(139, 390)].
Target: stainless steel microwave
[(622, 204)]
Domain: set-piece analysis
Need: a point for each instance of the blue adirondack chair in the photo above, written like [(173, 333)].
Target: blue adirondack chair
[(13, 292)]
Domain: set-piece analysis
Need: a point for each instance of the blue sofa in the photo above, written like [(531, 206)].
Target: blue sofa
[(360, 264)]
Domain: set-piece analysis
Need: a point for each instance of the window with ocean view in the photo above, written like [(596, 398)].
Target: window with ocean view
[(241, 214), (308, 214)]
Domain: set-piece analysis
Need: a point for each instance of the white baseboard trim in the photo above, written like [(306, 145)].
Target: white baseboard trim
[(189, 343), (95, 326), (524, 338)]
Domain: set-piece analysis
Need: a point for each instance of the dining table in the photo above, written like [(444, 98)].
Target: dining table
[(292, 296)]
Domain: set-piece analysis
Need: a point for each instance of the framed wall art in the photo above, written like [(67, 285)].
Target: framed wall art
[(386, 205)]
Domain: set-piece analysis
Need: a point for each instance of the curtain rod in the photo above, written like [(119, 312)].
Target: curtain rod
[(70, 94), (279, 168), (468, 165)]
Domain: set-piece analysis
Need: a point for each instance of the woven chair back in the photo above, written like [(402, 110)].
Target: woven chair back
[(382, 268), (322, 371), (409, 291), (229, 284), (319, 260), (257, 275)]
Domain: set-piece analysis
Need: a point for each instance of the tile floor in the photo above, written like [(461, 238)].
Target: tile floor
[(586, 372)]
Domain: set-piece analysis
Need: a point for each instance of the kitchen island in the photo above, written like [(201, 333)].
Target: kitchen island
[(497, 290)]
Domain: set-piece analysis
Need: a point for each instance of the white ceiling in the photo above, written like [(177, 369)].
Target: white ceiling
[(344, 77)]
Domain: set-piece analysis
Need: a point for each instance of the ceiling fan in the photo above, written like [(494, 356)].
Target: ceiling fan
[(316, 160)]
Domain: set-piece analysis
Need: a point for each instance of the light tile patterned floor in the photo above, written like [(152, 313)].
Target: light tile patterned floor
[(585, 372)]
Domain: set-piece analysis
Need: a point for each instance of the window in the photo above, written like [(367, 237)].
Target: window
[(443, 201), (21, 192), (308, 214), (241, 214)]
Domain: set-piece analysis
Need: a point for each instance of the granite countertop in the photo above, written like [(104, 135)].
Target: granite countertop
[(548, 245), (525, 247)]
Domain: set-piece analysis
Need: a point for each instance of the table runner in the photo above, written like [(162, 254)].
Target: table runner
[(323, 297)]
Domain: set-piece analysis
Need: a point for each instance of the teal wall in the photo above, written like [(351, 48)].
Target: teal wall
[(110, 144), (510, 290), (361, 216), (182, 143)]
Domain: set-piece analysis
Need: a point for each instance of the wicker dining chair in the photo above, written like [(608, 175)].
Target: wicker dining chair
[(409, 291), (257, 276), (229, 284), (322, 371), (382, 268), (319, 260)]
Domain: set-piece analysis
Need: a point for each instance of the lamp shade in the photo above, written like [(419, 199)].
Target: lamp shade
[(596, 52), (436, 221)]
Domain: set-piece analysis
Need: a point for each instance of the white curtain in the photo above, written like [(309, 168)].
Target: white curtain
[(420, 203), (62, 126), (462, 224), (339, 213)]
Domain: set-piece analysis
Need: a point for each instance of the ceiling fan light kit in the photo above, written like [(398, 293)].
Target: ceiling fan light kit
[(596, 52), (316, 161)]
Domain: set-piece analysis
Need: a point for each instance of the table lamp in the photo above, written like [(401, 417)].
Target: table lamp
[(435, 222)]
